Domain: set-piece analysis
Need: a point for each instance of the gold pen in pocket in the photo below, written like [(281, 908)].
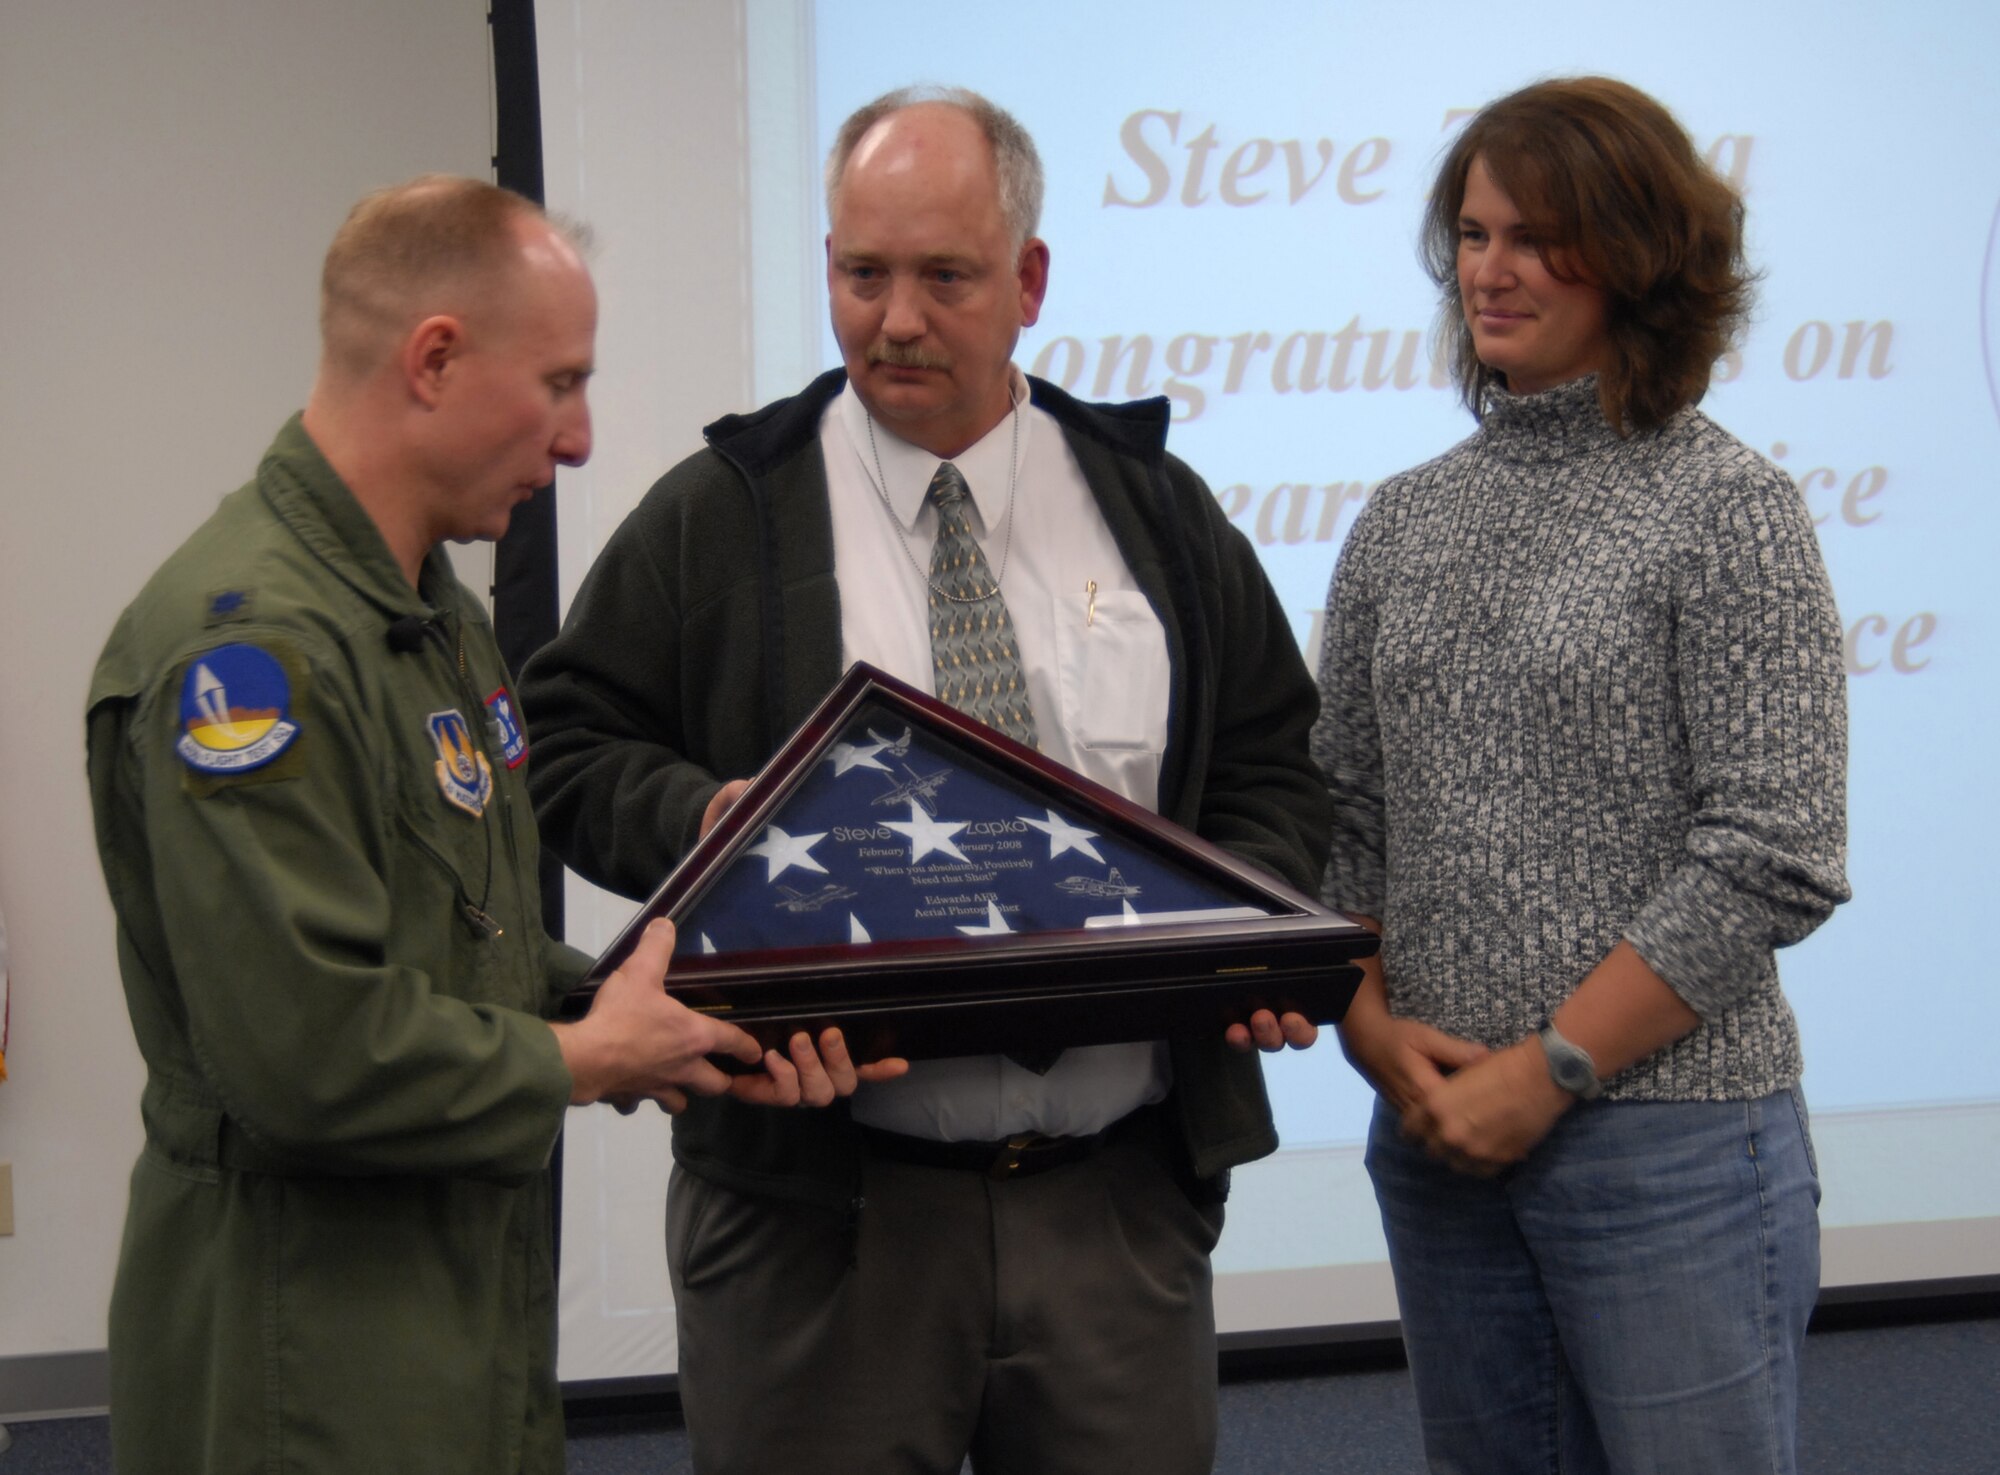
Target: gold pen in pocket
[(1090, 607)]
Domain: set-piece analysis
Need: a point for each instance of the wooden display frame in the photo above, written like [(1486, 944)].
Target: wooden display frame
[(957, 994)]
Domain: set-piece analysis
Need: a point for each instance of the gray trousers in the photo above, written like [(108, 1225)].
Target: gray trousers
[(1053, 1324)]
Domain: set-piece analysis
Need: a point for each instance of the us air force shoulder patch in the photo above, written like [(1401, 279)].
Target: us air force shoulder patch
[(464, 776), (236, 711), (507, 726)]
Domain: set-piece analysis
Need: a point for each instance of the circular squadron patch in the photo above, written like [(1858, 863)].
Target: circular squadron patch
[(235, 710)]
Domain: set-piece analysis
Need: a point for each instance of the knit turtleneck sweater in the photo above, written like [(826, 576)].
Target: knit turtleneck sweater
[(1577, 688)]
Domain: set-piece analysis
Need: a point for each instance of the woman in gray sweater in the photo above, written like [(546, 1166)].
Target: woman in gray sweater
[(1584, 726)]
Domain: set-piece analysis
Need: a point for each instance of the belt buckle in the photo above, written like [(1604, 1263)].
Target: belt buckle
[(1007, 1160)]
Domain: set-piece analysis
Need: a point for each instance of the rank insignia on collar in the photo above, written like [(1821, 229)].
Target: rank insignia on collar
[(228, 604), (463, 774), (507, 727), (235, 710)]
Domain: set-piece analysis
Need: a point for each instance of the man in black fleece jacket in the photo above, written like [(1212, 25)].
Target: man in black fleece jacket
[(1061, 1321)]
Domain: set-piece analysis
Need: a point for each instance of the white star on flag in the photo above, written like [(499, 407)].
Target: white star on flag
[(847, 756), (856, 933), (1130, 916), (1065, 836), (782, 851), (927, 834), (1126, 916), (995, 923), (706, 945)]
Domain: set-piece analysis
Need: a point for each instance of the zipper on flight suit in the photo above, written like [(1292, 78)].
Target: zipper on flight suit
[(480, 923)]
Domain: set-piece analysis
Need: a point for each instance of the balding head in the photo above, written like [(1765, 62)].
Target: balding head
[(459, 326), (436, 244), (1017, 168)]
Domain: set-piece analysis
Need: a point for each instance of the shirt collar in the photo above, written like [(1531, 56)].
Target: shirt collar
[(908, 469), (308, 495)]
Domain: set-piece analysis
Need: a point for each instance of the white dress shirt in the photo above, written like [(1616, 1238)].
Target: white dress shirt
[(1098, 680)]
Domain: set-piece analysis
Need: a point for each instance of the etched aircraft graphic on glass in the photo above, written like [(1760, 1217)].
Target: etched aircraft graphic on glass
[(917, 788), (801, 901)]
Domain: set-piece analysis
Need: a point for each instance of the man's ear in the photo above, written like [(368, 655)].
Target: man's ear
[(428, 355), (1032, 270)]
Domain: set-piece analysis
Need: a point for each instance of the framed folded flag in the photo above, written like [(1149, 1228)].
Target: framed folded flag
[(935, 888)]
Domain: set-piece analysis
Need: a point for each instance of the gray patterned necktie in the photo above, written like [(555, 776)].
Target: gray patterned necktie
[(978, 664)]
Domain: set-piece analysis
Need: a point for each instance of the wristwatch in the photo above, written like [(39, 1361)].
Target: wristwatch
[(1570, 1066)]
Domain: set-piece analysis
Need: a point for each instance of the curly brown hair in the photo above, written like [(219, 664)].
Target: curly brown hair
[(1610, 182)]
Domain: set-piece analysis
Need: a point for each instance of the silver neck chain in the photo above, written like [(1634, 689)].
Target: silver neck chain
[(1007, 543)]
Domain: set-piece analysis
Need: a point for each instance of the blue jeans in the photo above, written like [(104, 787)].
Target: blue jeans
[(1630, 1299)]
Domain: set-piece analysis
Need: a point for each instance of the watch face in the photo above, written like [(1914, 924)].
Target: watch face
[(1572, 1074), (1569, 1067)]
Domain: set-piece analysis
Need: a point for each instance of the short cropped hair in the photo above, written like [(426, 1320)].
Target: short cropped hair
[(1613, 190), (1015, 161), (415, 248)]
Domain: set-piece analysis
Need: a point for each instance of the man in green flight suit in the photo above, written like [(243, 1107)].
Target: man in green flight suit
[(308, 774)]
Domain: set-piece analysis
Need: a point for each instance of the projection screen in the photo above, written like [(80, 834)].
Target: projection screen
[(1232, 206)]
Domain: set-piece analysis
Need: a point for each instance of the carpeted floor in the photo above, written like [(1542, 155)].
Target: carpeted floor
[(1906, 1400)]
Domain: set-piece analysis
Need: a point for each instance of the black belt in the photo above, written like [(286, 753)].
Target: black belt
[(1021, 1156)]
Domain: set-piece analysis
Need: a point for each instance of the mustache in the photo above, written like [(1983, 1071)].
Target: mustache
[(906, 356)]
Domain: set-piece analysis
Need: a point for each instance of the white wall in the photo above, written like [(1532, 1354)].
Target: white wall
[(169, 178)]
